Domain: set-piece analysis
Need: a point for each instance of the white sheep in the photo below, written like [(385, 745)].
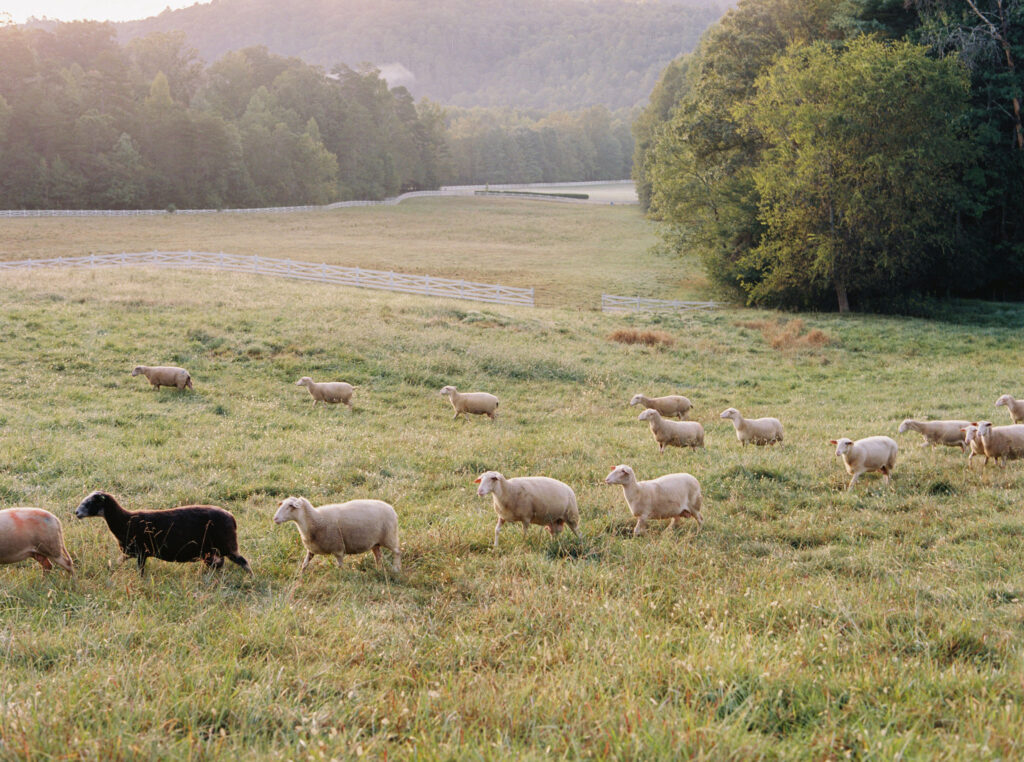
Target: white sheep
[(164, 375), (33, 533), (869, 454), (530, 500), (973, 441), (671, 406), (328, 391), (1016, 407), (676, 433), (673, 496), (758, 431), (477, 403), (1001, 442), (343, 529), (949, 433)]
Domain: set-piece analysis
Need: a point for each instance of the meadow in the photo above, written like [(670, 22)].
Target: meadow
[(801, 622)]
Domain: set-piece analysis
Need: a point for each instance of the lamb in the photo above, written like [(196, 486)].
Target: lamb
[(974, 443), (188, 533), (758, 431), (477, 403), (164, 375), (869, 454), (328, 391), (1016, 407), (949, 433), (33, 533), (1001, 442), (343, 529), (530, 500), (673, 496), (671, 406), (677, 433)]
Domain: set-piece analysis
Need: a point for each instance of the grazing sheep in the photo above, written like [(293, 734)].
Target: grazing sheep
[(1001, 442), (477, 403), (974, 443), (868, 454), (949, 433), (328, 391), (676, 433), (189, 533), (758, 431), (1016, 407), (33, 533), (343, 529), (673, 496), (164, 375), (530, 500), (671, 406)]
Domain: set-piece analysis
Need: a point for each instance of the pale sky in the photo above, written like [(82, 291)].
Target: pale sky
[(93, 10)]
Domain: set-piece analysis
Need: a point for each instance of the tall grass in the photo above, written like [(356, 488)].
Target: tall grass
[(802, 622)]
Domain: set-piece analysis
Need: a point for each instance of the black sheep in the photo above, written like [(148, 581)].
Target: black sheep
[(190, 533)]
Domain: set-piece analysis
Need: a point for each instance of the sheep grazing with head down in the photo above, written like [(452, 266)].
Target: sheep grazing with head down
[(164, 375), (671, 406), (1015, 406), (675, 433), (948, 433), (758, 431), (188, 533), (328, 392), (466, 403), (33, 533), (673, 496), (868, 454), (530, 500), (343, 529)]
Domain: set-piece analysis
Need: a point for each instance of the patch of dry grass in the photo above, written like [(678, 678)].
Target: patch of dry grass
[(638, 336)]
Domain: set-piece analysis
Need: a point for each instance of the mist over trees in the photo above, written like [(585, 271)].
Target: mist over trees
[(838, 153), (88, 123)]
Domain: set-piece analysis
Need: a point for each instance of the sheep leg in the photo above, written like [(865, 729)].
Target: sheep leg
[(43, 561), (639, 528), (852, 482), (306, 560), (339, 559), (141, 560), (885, 473), (377, 556), (497, 528)]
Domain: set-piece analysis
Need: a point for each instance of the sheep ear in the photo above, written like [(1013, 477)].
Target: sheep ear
[(477, 480), (834, 441)]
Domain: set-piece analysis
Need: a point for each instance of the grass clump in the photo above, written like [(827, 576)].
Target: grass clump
[(638, 336)]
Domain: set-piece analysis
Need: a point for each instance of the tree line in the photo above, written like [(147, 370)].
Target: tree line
[(88, 123), (845, 153)]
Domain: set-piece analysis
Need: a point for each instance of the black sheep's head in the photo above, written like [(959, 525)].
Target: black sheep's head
[(93, 505)]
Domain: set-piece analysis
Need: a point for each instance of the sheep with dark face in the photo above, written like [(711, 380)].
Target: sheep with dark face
[(188, 533)]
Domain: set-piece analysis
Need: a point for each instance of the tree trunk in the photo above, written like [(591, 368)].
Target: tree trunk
[(842, 296)]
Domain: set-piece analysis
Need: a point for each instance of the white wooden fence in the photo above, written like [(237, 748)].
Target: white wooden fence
[(610, 303), (426, 285)]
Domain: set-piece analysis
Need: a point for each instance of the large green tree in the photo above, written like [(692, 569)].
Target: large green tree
[(862, 172)]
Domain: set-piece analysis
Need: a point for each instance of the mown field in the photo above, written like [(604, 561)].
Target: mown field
[(802, 622)]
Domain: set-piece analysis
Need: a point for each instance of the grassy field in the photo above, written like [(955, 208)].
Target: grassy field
[(802, 622)]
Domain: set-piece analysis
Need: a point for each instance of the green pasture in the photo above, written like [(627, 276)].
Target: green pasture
[(802, 622)]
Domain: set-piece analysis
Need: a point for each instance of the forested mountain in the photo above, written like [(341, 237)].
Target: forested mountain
[(547, 54)]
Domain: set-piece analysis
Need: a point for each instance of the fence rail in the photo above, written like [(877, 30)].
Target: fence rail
[(610, 303), (427, 285)]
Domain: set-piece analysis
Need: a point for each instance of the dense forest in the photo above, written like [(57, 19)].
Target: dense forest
[(88, 123), (549, 54), (852, 154)]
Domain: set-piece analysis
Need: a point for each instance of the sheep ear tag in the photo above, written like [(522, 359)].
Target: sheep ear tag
[(477, 480), (833, 441)]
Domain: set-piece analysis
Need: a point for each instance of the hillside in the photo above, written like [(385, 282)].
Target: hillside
[(549, 54)]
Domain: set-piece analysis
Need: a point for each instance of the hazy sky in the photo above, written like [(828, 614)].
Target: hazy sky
[(99, 10)]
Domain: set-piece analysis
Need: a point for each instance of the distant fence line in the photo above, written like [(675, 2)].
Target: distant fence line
[(453, 190), (610, 303), (359, 277)]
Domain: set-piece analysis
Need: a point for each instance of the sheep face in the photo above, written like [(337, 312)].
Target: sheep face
[(620, 475), (637, 399), (648, 415), (93, 505), (487, 480), (984, 428), (731, 413), (970, 432), (904, 426), (448, 391), (304, 381), (287, 510), (842, 445), (137, 371), (1005, 401)]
